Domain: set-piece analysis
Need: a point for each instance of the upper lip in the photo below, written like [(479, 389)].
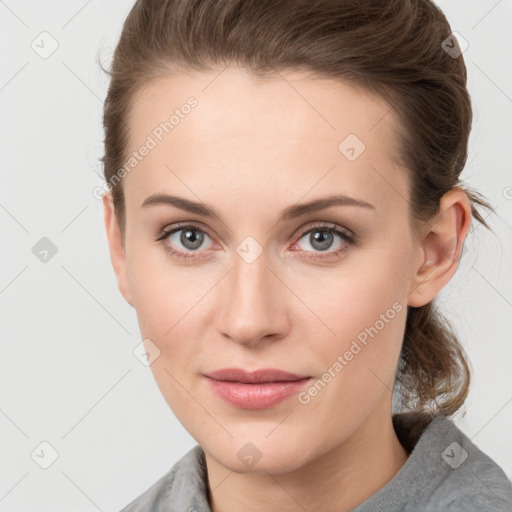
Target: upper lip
[(256, 376)]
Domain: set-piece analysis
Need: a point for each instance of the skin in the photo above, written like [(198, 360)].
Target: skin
[(250, 149)]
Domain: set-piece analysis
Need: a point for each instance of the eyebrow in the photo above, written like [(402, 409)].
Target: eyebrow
[(289, 213)]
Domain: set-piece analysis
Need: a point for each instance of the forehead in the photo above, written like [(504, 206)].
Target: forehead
[(227, 131)]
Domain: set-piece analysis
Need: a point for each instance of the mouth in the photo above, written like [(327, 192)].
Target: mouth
[(260, 376), (260, 389)]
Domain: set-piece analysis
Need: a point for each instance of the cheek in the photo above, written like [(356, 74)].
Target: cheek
[(168, 305), (367, 314), (170, 302), (162, 292), (364, 310), (354, 296)]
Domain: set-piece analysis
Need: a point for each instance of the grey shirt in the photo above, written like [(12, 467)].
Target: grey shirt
[(444, 471)]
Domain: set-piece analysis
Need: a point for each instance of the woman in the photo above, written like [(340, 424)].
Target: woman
[(283, 206)]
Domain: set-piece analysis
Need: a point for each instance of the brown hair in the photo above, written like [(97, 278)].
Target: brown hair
[(392, 48)]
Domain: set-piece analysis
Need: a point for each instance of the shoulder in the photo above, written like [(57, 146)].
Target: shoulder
[(466, 479), (182, 488), (477, 484)]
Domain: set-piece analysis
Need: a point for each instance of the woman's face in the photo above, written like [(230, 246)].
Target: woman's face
[(252, 287)]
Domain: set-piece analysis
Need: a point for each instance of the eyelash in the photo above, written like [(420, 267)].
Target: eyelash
[(348, 239)]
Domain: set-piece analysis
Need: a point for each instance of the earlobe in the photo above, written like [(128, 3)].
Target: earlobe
[(441, 247), (116, 247)]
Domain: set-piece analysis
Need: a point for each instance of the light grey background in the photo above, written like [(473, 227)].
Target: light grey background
[(68, 376)]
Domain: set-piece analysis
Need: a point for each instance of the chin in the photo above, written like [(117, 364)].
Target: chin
[(259, 457)]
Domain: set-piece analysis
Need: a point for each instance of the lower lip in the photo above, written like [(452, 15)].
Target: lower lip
[(255, 396)]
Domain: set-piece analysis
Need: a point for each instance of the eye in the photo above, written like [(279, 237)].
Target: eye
[(188, 241), (321, 238), (184, 241)]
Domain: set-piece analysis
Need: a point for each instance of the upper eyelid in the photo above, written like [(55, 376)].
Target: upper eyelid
[(326, 226), (172, 228)]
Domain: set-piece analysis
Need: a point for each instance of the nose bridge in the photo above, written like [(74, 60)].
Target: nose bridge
[(252, 306)]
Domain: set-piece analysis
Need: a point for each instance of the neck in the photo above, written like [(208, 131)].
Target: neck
[(346, 475)]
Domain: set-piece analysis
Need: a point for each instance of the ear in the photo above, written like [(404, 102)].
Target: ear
[(116, 246), (441, 248)]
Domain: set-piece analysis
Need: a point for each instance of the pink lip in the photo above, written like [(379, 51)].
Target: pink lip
[(255, 390)]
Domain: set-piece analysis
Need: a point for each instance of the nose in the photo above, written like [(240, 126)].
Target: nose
[(252, 303)]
